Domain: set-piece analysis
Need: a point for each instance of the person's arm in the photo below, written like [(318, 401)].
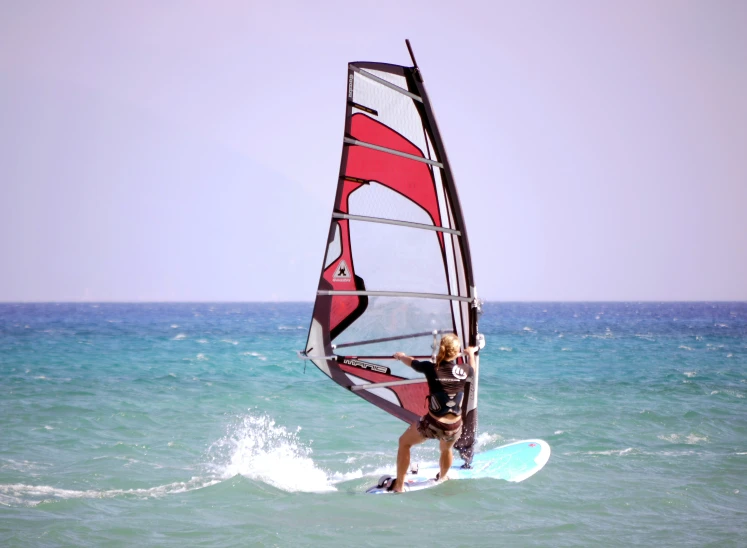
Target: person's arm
[(471, 351), (404, 358)]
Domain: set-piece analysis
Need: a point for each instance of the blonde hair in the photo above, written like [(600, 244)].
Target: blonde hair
[(449, 348)]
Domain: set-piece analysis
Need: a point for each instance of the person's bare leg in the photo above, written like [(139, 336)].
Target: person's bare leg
[(406, 441), (447, 457)]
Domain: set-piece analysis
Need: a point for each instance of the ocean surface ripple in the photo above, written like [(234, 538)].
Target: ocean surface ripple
[(196, 424)]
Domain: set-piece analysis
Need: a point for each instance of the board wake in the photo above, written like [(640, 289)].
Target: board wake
[(512, 462)]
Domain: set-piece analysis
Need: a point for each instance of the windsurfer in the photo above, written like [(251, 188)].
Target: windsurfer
[(446, 380)]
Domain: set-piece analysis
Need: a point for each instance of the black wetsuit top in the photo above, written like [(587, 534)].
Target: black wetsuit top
[(445, 384)]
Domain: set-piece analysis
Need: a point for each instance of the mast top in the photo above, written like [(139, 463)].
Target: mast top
[(414, 62)]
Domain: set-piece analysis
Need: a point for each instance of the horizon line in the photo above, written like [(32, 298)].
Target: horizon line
[(551, 301)]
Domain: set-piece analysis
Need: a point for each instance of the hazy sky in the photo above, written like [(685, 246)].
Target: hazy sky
[(189, 150)]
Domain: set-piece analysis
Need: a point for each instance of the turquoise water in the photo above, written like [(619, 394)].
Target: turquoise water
[(195, 424)]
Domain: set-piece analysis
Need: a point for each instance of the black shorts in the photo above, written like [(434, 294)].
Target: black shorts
[(432, 429)]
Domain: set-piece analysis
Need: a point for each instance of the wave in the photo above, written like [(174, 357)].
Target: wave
[(607, 335), (618, 452), (32, 495), (255, 355), (254, 447), (22, 466), (606, 452), (732, 393), (690, 439)]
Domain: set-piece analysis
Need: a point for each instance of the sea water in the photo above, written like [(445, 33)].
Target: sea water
[(197, 424)]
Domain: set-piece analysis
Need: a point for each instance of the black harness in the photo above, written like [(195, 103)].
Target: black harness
[(443, 403)]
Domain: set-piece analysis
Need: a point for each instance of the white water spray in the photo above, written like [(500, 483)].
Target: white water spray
[(259, 449)]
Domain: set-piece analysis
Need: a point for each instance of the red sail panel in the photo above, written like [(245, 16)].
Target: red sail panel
[(412, 397), (339, 275), (410, 178)]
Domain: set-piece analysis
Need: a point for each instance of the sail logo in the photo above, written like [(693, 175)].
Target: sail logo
[(459, 373), (350, 87), (365, 365), (342, 272)]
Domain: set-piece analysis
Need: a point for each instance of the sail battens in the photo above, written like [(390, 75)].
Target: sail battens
[(368, 386), (356, 142), (397, 338), (406, 294), (382, 358), (383, 82), (394, 222)]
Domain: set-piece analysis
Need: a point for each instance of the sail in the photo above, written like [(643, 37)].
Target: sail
[(397, 270)]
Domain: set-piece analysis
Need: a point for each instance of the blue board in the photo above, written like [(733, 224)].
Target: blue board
[(513, 462)]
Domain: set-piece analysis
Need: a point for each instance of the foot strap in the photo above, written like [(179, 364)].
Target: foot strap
[(385, 481), (390, 487)]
